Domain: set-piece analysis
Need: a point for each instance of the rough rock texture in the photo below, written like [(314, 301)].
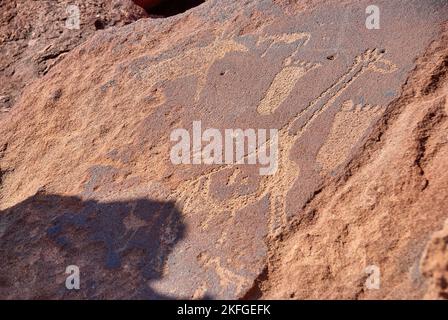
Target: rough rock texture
[(147, 4), (167, 8), (34, 36), (86, 177), (382, 210), (434, 265)]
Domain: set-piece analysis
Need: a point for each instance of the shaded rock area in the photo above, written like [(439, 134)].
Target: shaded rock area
[(120, 247), (34, 36), (87, 180)]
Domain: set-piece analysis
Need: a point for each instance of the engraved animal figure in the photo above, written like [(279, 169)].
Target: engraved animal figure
[(199, 62), (275, 187)]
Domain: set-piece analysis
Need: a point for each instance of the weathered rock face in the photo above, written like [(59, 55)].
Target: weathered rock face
[(147, 4), (87, 178), (35, 35), (435, 265)]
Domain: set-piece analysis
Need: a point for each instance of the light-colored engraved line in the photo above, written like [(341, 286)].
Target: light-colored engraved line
[(362, 63), (339, 89), (348, 126), (328, 92), (196, 192), (232, 178), (370, 60), (287, 38), (276, 187), (195, 61), (293, 69), (283, 134), (226, 277), (282, 86), (218, 51)]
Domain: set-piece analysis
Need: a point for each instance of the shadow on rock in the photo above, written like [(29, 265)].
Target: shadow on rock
[(121, 248)]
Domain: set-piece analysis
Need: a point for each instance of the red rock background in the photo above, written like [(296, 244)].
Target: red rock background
[(33, 37), (85, 175)]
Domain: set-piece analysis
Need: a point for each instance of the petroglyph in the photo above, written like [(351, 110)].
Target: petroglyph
[(276, 187), (199, 62), (282, 86), (348, 126), (227, 277), (299, 38), (201, 59), (195, 194), (286, 79), (371, 60), (97, 127)]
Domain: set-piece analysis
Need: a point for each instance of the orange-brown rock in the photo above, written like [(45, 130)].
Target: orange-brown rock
[(34, 37), (361, 114), (382, 211)]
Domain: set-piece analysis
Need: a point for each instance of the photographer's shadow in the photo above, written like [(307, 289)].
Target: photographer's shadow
[(119, 247)]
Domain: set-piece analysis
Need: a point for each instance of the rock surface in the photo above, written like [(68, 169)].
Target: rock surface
[(35, 35), (383, 210), (435, 265), (86, 177)]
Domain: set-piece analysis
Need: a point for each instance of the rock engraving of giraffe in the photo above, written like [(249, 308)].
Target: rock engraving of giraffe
[(195, 193)]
